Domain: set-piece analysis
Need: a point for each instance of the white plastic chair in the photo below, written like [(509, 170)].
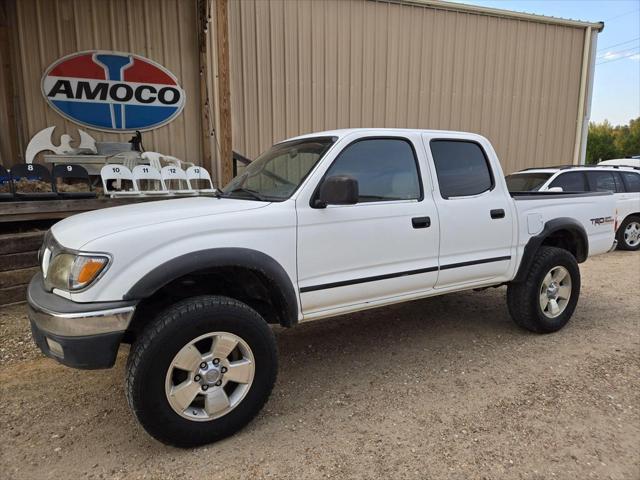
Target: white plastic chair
[(159, 160), (169, 160), (118, 174), (153, 159), (145, 176), (173, 174), (197, 175)]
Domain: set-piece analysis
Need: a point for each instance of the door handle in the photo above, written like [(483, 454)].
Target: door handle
[(497, 213), (421, 222)]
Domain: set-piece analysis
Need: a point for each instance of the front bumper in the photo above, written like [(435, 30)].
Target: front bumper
[(79, 335)]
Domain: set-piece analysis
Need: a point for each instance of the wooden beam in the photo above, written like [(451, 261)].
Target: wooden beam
[(13, 278), (224, 91), (204, 14), (11, 295), (21, 242), (16, 261)]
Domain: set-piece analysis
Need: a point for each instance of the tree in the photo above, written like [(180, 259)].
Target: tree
[(606, 141)]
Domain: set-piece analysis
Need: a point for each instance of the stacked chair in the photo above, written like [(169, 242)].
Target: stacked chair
[(160, 175)]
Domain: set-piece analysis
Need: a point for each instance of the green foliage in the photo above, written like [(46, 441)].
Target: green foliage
[(606, 141)]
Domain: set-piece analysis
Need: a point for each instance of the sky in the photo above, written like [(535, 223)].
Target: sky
[(616, 89)]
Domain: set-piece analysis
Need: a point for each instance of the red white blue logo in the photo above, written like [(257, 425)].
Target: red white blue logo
[(113, 91)]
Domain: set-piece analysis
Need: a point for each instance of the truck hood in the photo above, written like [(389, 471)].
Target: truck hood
[(78, 230)]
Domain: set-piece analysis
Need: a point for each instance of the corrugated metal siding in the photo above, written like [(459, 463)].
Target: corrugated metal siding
[(162, 30), (309, 65)]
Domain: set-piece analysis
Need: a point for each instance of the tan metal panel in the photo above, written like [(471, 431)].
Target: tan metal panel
[(359, 63), (164, 31)]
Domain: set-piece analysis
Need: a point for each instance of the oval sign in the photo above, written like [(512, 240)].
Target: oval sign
[(112, 91)]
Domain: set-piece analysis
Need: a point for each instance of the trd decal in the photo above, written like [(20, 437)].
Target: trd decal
[(602, 220)]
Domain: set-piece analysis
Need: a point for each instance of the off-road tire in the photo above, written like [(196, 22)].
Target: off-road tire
[(622, 243), (153, 352), (523, 297)]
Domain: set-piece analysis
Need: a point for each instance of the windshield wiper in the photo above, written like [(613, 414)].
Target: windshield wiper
[(253, 193)]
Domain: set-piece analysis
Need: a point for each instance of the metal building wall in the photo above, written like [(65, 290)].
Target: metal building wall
[(162, 30), (309, 65)]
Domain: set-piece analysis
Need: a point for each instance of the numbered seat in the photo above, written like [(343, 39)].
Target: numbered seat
[(175, 180), (117, 181), (148, 180), (32, 181), (6, 185), (72, 181), (200, 180)]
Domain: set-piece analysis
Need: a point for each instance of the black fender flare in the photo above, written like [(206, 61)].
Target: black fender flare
[(571, 225), (221, 257)]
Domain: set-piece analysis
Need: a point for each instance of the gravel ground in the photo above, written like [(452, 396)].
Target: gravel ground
[(446, 387)]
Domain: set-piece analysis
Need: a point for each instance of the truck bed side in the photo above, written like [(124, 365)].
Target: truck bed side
[(595, 212)]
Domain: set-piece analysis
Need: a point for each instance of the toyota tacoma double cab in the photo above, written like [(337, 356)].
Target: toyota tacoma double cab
[(319, 225)]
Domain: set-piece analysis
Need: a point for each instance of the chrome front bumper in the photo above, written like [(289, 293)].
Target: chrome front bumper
[(79, 335), (80, 324)]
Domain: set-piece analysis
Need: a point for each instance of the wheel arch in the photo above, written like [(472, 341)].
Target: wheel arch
[(629, 215), (566, 233), (247, 275)]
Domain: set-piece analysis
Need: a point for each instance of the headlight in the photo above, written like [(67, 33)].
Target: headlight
[(68, 270)]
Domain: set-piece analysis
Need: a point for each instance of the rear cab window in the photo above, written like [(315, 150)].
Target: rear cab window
[(527, 182), (462, 168)]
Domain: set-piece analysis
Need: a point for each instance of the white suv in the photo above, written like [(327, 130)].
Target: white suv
[(623, 181)]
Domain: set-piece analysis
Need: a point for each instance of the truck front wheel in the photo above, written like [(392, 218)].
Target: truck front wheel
[(201, 371), (544, 302)]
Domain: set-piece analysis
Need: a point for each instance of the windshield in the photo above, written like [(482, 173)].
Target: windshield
[(526, 182), (278, 172)]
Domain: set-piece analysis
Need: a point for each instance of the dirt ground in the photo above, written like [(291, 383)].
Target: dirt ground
[(440, 388)]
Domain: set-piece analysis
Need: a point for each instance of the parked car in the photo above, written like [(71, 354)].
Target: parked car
[(318, 226), (627, 162), (623, 182)]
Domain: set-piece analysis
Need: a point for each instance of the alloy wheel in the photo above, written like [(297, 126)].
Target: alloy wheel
[(210, 376)]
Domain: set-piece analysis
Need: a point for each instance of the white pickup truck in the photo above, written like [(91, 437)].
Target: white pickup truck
[(318, 226)]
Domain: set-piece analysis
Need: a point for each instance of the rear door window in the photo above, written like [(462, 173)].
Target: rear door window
[(601, 181), (631, 181), (570, 182), (462, 168)]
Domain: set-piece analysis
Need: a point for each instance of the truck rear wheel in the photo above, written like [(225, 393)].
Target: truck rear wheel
[(629, 234), (201, 371), (545, 301)]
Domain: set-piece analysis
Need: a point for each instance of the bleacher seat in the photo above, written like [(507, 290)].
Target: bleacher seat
[(117, 181), (175, 180), (199, 180), (72, 181), (148, 180), (32, 181)]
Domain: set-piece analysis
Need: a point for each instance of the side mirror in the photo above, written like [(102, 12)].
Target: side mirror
[(555, 189), (338, 190)]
